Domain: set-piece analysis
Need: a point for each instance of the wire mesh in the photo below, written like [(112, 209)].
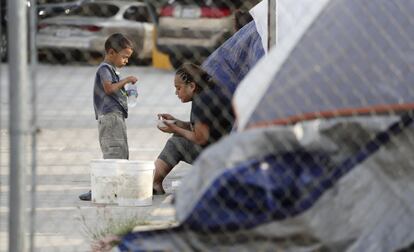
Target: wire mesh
[(306, 147)]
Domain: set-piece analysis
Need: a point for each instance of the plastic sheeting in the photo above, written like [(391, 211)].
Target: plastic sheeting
[(348, 194), (352, 57), (331, 168), (230, 63)]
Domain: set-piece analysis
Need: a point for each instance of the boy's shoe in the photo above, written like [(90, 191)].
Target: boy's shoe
[(86, 196)]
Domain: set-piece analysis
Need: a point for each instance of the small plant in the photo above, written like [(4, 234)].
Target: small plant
[(107, 232)]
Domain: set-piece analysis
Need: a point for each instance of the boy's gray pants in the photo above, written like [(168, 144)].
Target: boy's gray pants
[(113, 136)]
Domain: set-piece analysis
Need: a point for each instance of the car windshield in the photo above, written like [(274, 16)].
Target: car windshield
[(95, 10)]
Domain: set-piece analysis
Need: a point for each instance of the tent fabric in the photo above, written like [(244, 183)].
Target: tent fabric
[(259, 14), (230, 63), (354, 59), (290, 15), (330, 168), (294, 18), (268, 193)]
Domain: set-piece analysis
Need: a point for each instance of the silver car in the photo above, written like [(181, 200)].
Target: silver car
[(190, 30), (82, 32)]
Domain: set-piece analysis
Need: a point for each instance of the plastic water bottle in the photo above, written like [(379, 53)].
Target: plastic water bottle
[(132, 94)]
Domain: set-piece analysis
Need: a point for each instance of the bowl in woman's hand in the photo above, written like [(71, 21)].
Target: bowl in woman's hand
[(161, 123)]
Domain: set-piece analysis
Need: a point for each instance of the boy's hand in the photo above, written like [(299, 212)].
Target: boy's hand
[(131, 79)]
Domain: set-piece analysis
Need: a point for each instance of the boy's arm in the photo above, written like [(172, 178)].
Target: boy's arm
[(111, 88)]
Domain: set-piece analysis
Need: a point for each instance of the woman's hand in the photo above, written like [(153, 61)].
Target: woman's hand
[(164, 125), (169, 127), (166, 117)]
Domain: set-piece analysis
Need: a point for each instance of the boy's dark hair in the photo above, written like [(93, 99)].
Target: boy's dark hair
[(190, 72), (117, 42)]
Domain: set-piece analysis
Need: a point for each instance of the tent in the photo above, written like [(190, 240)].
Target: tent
[(230, 63), (331, 66), (322, 159)]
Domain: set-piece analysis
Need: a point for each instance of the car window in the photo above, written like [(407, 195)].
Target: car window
[(138, 14), (95, 10)]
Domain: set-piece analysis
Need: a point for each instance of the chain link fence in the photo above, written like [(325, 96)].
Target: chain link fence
[(302, 147)]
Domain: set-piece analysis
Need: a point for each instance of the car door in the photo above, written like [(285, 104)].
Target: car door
[(141, 30)]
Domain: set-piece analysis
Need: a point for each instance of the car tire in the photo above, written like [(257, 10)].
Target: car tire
[(175, 62), (137, 61)]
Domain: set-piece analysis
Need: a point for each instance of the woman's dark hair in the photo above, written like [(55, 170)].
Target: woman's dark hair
[(190, 72), (117, 42)]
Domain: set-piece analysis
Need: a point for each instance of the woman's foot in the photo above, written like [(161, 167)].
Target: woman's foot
[(157, 189)]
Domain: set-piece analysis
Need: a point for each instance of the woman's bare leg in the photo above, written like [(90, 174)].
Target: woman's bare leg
[(161, 171)]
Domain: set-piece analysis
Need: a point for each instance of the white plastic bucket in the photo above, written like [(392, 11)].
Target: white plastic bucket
[(104, 181), (135, 183)]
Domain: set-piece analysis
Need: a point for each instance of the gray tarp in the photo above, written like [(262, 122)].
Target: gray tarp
[(371, 208)]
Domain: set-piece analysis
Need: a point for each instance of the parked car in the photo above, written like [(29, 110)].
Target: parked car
[(82, 32), (43, 11), (57, 8), (190, 30)]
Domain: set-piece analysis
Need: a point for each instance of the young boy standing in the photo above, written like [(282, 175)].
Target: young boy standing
[(110, 100)]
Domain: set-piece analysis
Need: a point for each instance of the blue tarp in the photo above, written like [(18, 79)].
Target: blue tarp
[(230, 63)]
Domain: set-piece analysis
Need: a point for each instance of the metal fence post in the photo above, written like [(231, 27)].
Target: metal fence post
[(33, 119), (272, 12), (18, 129), (1, 57)]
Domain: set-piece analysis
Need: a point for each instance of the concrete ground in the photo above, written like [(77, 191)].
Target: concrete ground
[(68, 140)]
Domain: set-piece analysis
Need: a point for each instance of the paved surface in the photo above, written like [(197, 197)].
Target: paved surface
[(68, 140)]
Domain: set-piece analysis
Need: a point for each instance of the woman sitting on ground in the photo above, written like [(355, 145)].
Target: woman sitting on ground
[(211, 118)]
